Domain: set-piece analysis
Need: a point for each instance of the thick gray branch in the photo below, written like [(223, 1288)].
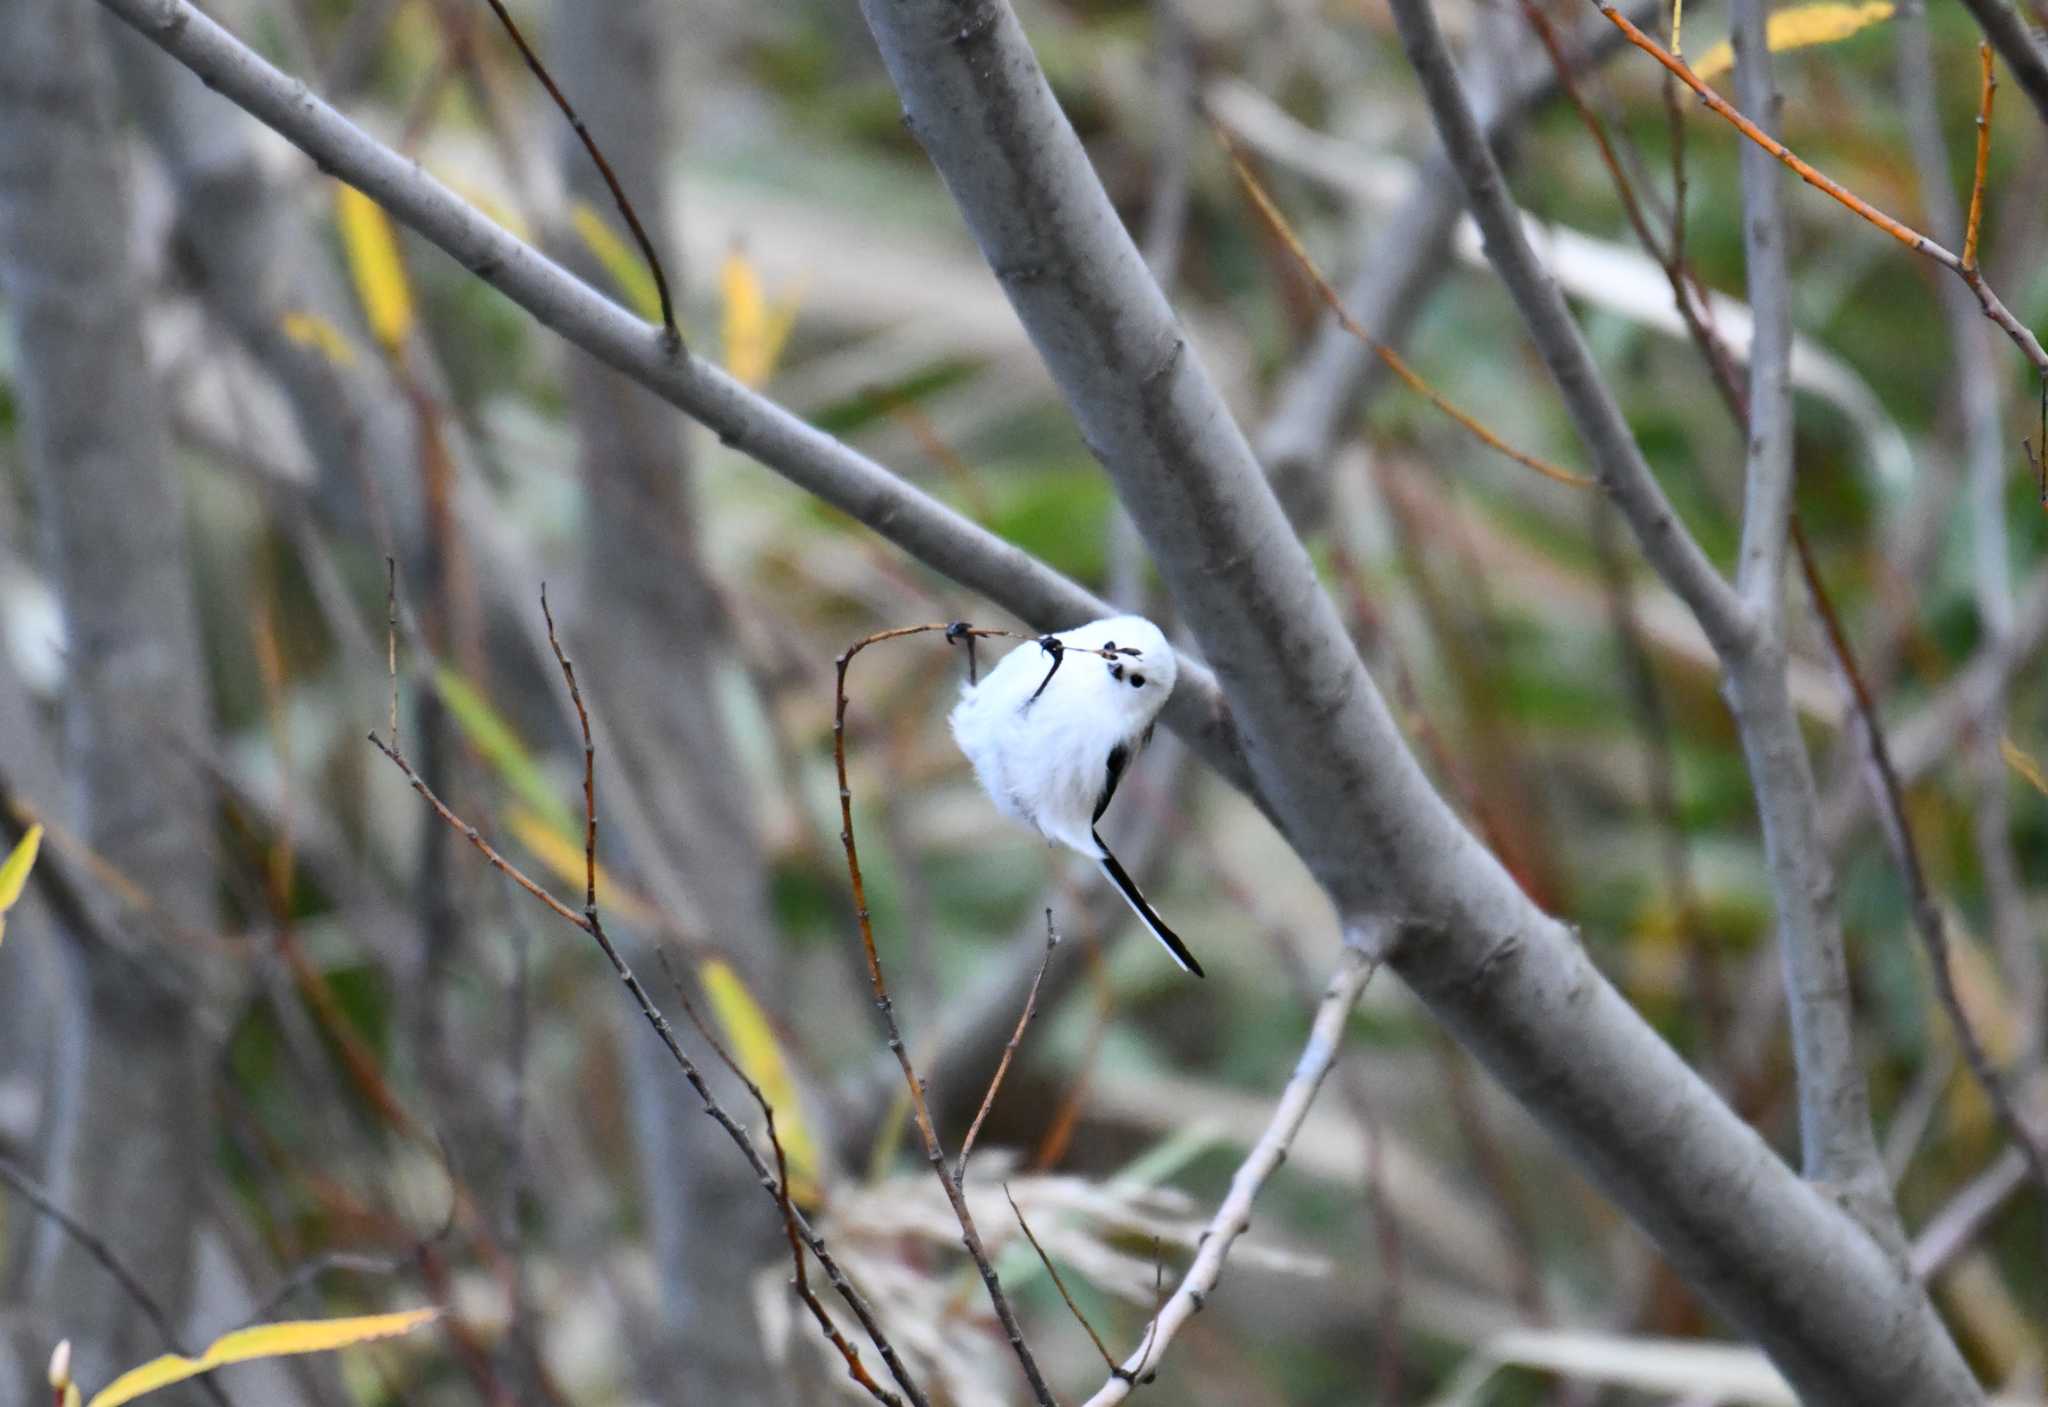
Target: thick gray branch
[(814, 461), (1834, 1104), (1509, 980)]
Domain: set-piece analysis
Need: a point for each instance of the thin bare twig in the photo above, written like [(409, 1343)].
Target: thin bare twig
[(30, 1191), (671, 335), (1989, 89), (1052, 940), (1994, 307), (801, 1280), (1281, 230), (1233, 1216), (591, 923), (1058, 1284), (391, 638), (935, 1152), (1928, 919)]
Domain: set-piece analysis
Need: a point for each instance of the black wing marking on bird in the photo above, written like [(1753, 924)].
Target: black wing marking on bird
[(1119, 758)]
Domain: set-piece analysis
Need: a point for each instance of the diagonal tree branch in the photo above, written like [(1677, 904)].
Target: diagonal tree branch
[(814, 461), (1834, 1102), (1317, 734), (1840, 1148)]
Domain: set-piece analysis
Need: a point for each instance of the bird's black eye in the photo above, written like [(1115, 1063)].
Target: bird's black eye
[(1137, 681)]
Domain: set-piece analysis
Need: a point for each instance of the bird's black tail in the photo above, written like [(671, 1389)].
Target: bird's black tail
[(1128, 887)]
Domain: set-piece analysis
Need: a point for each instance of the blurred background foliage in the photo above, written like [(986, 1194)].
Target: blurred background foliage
[(377, 1002)]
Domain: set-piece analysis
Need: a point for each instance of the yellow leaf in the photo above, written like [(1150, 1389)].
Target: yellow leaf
[(565, 857), (495, 738), (620, 260), (755, 329), (499, 213), (1797, 28), (759, 1053), (312, 330), (373, 261), (262, 1341), (2021, 762), (14, 871)]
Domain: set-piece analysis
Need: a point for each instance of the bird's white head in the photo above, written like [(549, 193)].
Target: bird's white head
[(1143, 668)]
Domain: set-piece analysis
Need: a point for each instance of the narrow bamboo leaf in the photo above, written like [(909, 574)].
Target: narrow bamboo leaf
[(2022, 762), (563, 856), (312, 330), (262, 1341), (14, 871), (621, 261), (759, 1053), (372, 248), (755, 330), (493, 737)]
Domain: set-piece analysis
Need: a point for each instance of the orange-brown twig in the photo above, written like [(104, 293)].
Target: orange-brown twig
[(935, 1152), (1976, 220), (1993, 306), (1276, 223)]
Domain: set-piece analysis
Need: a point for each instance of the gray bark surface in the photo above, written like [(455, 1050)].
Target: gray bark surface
[(125, 1149), (653, 644)]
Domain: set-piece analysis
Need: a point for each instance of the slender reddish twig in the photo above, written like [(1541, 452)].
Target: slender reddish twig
[(801, 1282), (1276, 223), (1993, 306), (1052, 939), (1927, 916), (1057, 1283), (670, 334), (591, 923), (935, 1152), (1976, 220)]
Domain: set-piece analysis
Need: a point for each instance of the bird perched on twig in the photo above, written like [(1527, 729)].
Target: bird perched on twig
[(1052, 727)]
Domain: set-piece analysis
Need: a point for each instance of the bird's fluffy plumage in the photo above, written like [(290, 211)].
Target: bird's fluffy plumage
[(1049, 742)]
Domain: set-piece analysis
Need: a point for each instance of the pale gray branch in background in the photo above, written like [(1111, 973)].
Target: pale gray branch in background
[(1834, 1102), (1400, 265), (1617, 459), (653, 645), (129, 1127)]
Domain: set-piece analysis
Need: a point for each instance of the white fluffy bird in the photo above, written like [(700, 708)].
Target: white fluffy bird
[(1050, 730)]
